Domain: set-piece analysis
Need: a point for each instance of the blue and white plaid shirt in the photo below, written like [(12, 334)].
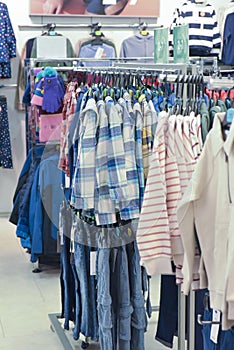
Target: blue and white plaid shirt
[(84, 179)]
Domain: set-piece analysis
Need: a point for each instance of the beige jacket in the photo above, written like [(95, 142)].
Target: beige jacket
[(208, 203)]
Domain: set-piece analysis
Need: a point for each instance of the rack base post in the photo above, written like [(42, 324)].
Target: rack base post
[(54, 319)]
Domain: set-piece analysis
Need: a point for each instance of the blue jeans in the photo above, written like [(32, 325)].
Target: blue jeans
[(67, 284), (86, 310), (66, 278), (104, 300), (121, 311), (121, 299), (225, 338), (77, 312), (138, 318)]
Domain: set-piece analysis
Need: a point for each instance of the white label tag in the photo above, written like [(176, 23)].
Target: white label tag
[(67, 181), (99, 52), (93, 258), (72, 246), (132, 2), (109, 2), (215, 327)]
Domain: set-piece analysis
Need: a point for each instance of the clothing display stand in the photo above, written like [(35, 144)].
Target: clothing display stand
[(172, 71), (134, 26), (219, 83), (49, 255), (56, 327)]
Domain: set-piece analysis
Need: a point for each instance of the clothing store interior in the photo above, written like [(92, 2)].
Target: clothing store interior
[(116, 166)]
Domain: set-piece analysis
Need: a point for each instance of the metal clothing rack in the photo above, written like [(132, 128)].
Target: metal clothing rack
[(140, 67), (133, 26), (8, 86), (220, 83)]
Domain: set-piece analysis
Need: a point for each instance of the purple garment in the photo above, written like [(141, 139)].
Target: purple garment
[(138, 46), (89, 51)]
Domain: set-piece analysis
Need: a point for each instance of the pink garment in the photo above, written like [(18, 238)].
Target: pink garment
[(50, 127)]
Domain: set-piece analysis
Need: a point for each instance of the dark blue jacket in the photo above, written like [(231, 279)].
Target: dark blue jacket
[(228, 40), (45, 199), (24, 178)]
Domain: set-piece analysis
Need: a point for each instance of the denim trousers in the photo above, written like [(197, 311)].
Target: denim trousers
[(104, 300), (66, 274), (67, 283), (77, 311), (225, 338), (167, 326), (86, 294), (138, 317), (121, 311)]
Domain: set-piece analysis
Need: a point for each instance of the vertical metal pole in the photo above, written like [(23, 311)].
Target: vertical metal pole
[(181, 297), (191, 335), (181, 319)]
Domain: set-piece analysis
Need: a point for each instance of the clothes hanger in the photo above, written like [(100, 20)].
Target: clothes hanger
[(97, 34), (50, 30), (143, 29)]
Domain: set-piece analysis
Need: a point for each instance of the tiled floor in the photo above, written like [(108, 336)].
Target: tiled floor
[(27, 298)]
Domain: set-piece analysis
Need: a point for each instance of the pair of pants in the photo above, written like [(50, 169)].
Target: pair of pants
[(66, 277), (225, 338), (67, 283), (167, 326), (86, 310), (138, 318), (121, 311), (104, 300)]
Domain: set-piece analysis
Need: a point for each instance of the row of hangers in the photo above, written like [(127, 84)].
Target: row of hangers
[(96, 31)]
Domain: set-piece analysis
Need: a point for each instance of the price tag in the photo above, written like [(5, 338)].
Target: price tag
[(215, 327), (93, 259), (67, 181), (109, 2), (99, 52)]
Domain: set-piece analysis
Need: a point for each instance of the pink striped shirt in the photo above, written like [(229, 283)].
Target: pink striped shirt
[(153, 234), (171, 167)]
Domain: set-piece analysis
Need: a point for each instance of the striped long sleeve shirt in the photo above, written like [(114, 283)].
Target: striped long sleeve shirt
[(153, 233), (204, 36), (84, 179)]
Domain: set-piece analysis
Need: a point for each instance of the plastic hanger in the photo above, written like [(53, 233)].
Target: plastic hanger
[(50, 30), (143, 29), (97, 34)]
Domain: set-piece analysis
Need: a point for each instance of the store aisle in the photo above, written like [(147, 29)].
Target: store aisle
[(27, 298)]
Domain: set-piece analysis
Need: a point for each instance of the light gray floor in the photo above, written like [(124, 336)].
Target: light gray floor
[(27, 298)]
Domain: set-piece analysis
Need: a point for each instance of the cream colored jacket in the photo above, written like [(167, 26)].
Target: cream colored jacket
[(208, 203)]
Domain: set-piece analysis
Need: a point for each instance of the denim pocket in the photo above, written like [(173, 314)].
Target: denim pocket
[(139, 319), (103, 293), (79, 254), (125, 322), (104, 316)]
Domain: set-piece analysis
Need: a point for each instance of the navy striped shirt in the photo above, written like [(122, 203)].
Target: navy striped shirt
[(204, 36)]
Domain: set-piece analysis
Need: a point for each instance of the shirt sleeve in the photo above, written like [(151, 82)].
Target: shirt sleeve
[(10, 35), (176, 22), (216, 37)]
